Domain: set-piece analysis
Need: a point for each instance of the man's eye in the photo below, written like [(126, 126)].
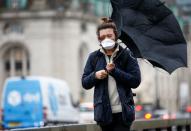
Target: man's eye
[(109, 36), (102, 37)]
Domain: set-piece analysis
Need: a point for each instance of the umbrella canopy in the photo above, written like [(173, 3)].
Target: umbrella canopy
[(151, 31)]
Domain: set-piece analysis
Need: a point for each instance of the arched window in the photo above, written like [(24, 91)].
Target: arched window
[(16, 61), (82, 57), (83, 52)]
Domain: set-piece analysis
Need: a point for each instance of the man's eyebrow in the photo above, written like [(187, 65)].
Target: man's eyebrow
[(108, 34)]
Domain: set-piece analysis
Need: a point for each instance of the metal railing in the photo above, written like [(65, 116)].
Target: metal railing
[(159, 125), (138, 125)]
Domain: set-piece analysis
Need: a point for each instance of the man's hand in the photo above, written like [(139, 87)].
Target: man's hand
[(102, 74), (110, 67)]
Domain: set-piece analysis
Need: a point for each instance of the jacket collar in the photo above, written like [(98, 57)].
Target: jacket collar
[(100, 54)]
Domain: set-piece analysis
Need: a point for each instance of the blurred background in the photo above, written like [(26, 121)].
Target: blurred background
[(54, 37)]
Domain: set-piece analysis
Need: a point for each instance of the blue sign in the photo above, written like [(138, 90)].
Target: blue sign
[(22, 103)]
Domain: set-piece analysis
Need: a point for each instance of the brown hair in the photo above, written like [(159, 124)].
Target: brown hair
[(107, 23)]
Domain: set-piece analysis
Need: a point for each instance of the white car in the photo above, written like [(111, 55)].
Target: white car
[(86, 113)]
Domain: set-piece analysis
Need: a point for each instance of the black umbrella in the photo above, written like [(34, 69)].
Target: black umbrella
[(151, 31)]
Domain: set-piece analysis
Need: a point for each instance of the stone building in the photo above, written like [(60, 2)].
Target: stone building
[(53, 38), (44, 38)]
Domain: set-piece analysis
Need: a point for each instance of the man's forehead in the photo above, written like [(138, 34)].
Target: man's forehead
[(107, 30)]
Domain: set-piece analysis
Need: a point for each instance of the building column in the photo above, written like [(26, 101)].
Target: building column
[(12, 63), (24, 63)]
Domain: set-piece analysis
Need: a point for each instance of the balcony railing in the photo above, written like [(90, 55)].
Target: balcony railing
[(93, 7)]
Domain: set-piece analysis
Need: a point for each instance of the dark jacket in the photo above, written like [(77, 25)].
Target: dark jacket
[(127, 76)]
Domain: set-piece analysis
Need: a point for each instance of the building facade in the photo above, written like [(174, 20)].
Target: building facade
[(40, 40), (54, 38)]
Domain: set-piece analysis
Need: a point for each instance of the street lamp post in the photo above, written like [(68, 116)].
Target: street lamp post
[(157, 99)]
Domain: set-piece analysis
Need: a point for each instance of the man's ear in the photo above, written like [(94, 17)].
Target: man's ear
[(99, 40)]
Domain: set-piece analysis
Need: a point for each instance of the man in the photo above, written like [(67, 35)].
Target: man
[(113, 77)]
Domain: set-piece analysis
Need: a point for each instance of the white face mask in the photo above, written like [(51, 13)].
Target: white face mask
[(108, 44)]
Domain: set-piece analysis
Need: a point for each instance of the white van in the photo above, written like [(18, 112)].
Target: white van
[(36, 101)]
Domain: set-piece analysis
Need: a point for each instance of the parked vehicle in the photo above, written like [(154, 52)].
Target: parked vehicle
[(162, 114), (165, 114), (86, 113), (36, 101), (144, 111)]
